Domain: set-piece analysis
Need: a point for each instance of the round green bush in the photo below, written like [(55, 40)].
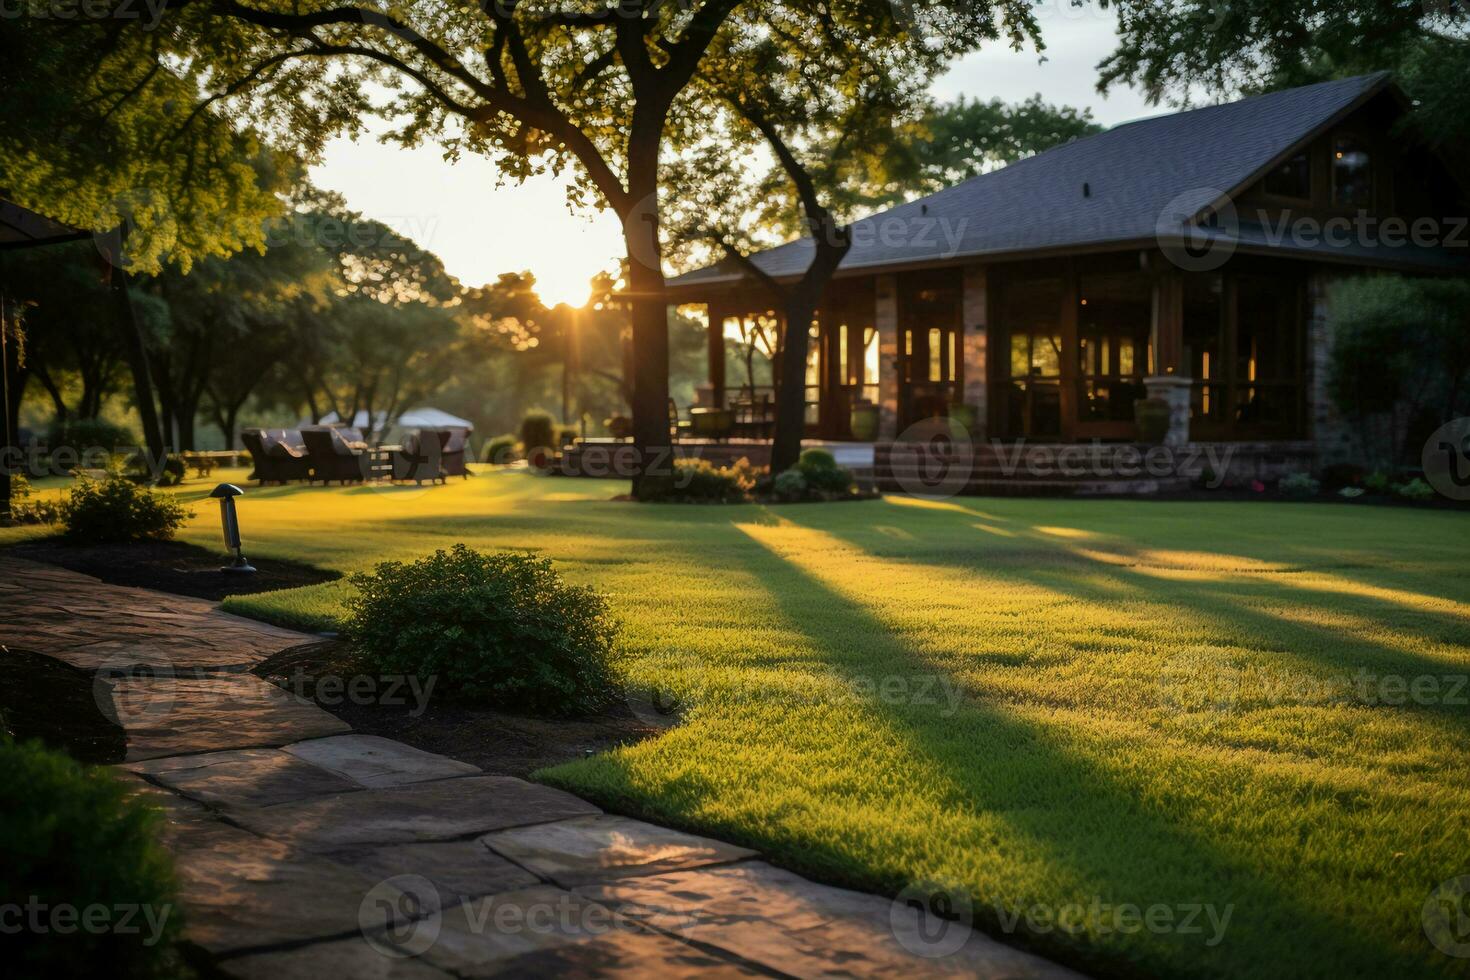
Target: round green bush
[(790, 485), (502, 449), (81, 858), (116, 509), (538, 431), (821, 472), (502, 630), (701, 480)]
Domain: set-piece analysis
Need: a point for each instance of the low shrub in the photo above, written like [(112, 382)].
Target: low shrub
[(538, 431), (24, 510), (1300, 486), (822, 474), (1351, 493), (790, 485), (701, 480), (71, 838), (502, 630), (503, 449), (84, 434), (1415, 489), (116, 509), (1378, 482)]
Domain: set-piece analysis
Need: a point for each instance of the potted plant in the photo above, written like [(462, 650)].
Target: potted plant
[(1152, 418), (864, 422)]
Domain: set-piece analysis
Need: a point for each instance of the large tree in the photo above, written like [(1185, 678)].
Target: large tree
[(535, 84), (1178, 49), (834, 119)]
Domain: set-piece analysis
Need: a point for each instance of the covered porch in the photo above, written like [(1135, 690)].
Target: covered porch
[(1052, 350)]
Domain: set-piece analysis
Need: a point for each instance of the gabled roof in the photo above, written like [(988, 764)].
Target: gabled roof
[(23, 228), (1128, 184)]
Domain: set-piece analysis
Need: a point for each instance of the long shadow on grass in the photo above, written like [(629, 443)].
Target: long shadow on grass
[(1225, 604), (1061, 808)]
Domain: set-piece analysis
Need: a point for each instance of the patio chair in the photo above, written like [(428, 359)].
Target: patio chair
[(677, 427), (275, 460), (453, 459), (422, 457), (332, 459)]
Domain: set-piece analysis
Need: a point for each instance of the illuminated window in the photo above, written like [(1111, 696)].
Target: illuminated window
[(936, 354)]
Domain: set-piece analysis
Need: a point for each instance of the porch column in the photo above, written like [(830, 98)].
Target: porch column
[(975, 322), (885, 319), (715, 342), (1169, 380)]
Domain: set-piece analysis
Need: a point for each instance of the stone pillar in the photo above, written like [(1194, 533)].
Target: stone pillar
[(1175, 391), (1334, 439), (975, 322), (885, 319)]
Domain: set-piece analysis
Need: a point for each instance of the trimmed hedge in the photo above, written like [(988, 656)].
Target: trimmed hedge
[(116, 509)]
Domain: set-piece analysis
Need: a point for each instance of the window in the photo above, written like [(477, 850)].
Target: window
[(1291, 178), (1352, 173)]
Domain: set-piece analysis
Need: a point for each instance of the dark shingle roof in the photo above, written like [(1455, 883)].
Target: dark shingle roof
[(1167, 166)]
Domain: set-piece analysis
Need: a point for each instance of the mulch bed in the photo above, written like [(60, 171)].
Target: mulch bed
[(170, 566), (501, 743), (57, 703)]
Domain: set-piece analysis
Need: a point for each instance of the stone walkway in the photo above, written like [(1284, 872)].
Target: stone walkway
[(306, 851)]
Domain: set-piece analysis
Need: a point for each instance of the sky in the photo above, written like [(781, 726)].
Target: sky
[(482, 227)]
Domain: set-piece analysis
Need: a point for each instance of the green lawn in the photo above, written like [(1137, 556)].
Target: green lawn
[(1068, 705)]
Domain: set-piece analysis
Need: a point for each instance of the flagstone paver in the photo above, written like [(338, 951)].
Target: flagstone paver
[(92, 625), (416, 812), (377, 762), (173, 715), (455, 870), (590, 849), (777, 918), (304, 852), (244, 777)]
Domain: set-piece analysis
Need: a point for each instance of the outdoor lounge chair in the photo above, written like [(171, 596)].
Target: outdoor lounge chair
[(453, 460), (332, 459), (275, 460), (422, 456)]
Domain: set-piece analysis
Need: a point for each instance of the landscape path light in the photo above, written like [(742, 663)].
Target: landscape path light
[(227, 492)]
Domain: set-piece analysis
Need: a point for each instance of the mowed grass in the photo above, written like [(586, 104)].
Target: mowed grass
[(1059, 708)]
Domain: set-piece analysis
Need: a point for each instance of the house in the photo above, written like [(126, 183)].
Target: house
[(1184, 256)]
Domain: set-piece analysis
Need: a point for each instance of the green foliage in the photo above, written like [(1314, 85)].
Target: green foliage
[(538, 431), (116, 509), (84, 434), (1415, 489), (498, 629), (1401, 347), (23, 510), (1169, 49), (70, 838), (819, 469), (1378, 482), (1300, 486), (502, 449), (790, 485), (699, 480)]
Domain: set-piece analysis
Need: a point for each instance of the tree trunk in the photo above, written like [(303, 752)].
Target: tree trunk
[(791, 388), (58, 404), (137, 358), (650, 349)]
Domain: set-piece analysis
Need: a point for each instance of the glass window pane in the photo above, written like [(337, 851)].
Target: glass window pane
[(1352, 173), (1292, 178), (936, 354)]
